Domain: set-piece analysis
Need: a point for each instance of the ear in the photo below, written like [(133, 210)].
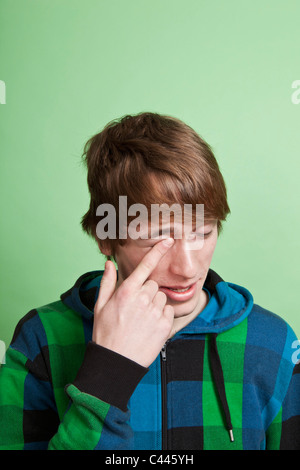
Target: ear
[(103, 247)]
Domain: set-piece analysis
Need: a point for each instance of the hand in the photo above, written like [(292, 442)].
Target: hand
[(134, 320)]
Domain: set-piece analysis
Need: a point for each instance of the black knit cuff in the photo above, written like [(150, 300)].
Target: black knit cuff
[(108, 375)]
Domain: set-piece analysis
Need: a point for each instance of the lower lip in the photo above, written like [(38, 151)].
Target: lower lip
[(180, 296)]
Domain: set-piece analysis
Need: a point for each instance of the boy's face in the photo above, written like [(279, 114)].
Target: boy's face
[(184, 265)]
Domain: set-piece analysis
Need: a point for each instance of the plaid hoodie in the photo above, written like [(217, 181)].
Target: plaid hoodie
[(228, 380)]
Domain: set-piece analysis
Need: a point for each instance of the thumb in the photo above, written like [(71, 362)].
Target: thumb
[(107, 286)]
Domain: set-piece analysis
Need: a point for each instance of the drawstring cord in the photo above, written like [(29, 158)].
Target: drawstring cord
[(217, 372)]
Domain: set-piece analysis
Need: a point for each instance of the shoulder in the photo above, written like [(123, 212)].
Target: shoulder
[(54, 322), (269, 331), (267, 322)]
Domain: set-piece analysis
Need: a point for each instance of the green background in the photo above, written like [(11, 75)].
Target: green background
[(224, 67)]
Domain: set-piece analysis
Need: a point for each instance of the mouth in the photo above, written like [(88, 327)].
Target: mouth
[(178, 289), (179, 293)]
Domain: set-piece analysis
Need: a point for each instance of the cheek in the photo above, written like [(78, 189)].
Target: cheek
[(128, 261), (160, 272), (204, 256), (210, 248)]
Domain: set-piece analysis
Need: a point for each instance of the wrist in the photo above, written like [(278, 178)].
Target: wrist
[(108, 375)]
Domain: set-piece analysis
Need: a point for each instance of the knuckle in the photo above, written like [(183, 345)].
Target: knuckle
[(162, 296), (144, 299), (152, 284), (165, 326), (169, 312), (123, 292), (169, 320), (120, 296), (156, 311)]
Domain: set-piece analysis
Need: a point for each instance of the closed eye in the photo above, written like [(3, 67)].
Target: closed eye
[(192, 236), (199, 235)]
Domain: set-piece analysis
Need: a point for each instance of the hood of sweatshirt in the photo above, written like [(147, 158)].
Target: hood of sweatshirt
[(228, 303)]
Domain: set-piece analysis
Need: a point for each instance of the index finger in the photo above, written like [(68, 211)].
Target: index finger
[(143, 270)]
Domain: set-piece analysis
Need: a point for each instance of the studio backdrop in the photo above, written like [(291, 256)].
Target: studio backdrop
[(229, 69)]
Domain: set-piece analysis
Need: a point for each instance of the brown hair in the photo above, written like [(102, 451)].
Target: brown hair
[(151, 159)]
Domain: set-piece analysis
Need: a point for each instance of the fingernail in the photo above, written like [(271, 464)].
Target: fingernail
[(168, 241)]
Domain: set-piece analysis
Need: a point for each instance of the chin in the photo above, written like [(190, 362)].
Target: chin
[(186, 308)]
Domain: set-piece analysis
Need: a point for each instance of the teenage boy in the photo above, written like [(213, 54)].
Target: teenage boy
[(161, 353)]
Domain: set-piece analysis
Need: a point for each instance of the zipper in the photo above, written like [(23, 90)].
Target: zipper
[(163, 354)]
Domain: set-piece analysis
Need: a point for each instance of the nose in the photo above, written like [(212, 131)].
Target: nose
[(182, 260)]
